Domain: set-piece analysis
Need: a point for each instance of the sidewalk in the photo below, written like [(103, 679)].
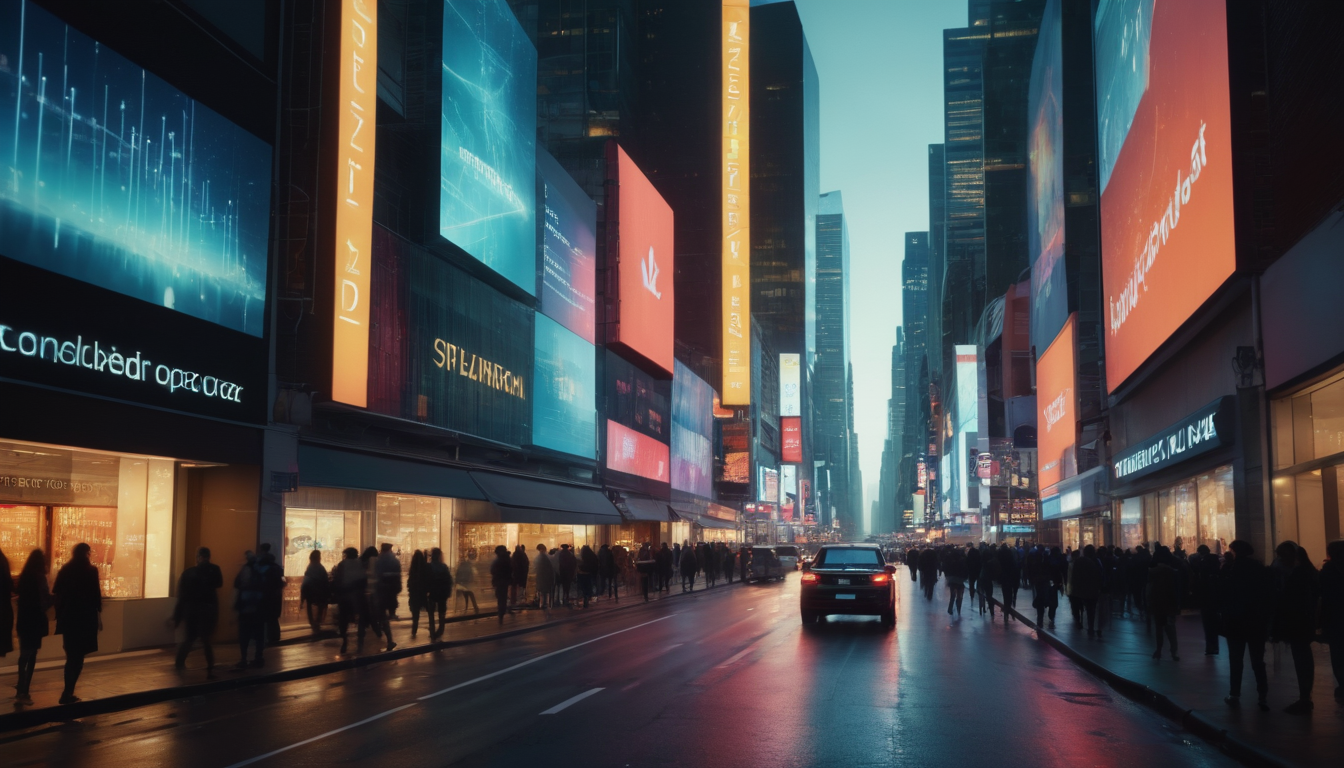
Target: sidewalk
[(1192, 689), (147, 676)]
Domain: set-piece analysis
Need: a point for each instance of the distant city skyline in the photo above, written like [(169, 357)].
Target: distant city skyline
[(884, 59)]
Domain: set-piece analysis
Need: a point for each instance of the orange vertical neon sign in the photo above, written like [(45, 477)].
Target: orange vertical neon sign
[(353, 240), (736, 191)]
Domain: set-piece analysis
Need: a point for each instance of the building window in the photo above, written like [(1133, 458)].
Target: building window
[(1308, 487), (52, 498), (1195, 511)]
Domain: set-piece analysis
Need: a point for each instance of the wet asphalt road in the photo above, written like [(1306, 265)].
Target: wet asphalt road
[(726, 678)]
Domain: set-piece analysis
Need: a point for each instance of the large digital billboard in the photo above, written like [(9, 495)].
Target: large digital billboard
[(353, 182), (1056, 425), (447, 350), (115, 178), (692, 433), (1165, 157), (487, 182), (790, 384), (645, 318), (564, 391), (767, 484), (735, 200), (568, 249), (791, 439), (1045, 186), (967, 422), (634, 454)]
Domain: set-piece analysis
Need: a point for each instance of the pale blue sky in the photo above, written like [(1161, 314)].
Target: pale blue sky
[(880, 66)]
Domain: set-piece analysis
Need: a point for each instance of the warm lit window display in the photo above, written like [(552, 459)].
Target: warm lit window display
[(1308, 452), (1199, 510), (52, 498)]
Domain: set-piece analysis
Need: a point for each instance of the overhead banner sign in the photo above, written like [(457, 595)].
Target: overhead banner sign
[(790, 385), (736, 203), (1202, 431), (353, 241), (1056, 424)]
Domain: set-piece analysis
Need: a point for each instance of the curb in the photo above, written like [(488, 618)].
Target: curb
[(1164, 705), (14, 721)]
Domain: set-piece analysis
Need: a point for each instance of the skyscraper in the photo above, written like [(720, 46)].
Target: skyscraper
[(831, 397)]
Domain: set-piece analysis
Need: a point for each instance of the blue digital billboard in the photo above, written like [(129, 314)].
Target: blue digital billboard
[(1045, 188), (564, 391), (115, 178), (487, 173), (568, 263), (692, 433)]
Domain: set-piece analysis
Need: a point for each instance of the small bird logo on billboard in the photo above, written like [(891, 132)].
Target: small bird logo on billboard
[(649, 268)]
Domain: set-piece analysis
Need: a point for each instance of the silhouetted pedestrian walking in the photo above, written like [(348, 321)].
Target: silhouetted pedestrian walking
[(197, 608), (79, 607), (31, 620)]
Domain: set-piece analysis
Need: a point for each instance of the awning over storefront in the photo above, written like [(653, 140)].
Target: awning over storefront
[(1077, 494), (693, 513), (335, 468), (646, 510), (709, 522), (521, 500)]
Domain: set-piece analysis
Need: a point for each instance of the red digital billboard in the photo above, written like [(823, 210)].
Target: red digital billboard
[(1056, 423), (644, 266), (1165, 156), (635, 454), (791, 431)]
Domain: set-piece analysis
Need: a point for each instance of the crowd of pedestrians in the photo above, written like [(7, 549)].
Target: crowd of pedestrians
[(1236, 596)]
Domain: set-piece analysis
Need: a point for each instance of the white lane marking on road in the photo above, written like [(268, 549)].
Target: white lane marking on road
[(319, 737), (452, 688), (674, 645), (737, 656), (571, 701), (381, 715)]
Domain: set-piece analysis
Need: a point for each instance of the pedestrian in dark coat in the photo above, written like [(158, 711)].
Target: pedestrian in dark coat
[(1204, 570), (1138, 578), (440, 583), (417, 592), (606, 571), (197, 609), (1244, 609), (728, 559), (273, 597), (315, 591), (743, 562), (6, 607), (521, 564), (1332, 611), (928, 571), (666, 567), (688, 569), (349, 582), (1086, 590), (1010, 577), (388, 570), (1163, 600), (31, 624), (1295, 617), (249, 601), (972, 568), (545, 574), (567, 568), (587, 573), (647, 564), (1044, 594), (501, 578), (79, 607), (912, 562)]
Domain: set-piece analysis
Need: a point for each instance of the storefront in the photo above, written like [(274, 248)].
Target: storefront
[(1307, 426), (1177, 488), (1080, 509)]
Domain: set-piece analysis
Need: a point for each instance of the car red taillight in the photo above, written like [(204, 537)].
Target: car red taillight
[(880, 578), (811, 578)]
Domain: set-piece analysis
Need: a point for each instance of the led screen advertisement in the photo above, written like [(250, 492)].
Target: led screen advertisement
[(120, 180), (635, 454), (1056, 424), (791, 439), (568, 249), (447, 350), (564, 392), (735, 199), (487, 183), (1045, 184), (1164, 139), (767, 484), (790, 385), (644, 234), (692, 433)]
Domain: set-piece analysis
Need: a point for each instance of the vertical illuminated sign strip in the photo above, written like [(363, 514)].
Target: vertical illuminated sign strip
[(736, 193), (353, 240)]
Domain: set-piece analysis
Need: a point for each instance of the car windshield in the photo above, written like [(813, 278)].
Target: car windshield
[(845, 557)]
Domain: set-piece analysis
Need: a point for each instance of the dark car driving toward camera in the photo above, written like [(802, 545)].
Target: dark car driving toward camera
[(848, 579)]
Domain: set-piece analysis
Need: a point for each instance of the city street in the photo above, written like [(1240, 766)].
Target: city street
[(726, 677)]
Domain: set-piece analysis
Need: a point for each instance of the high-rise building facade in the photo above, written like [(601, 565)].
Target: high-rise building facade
[(830, 393)]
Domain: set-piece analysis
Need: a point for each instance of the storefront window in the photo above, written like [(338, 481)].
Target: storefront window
[(1309, 427), (1200, 510), (1131, 523), (408, 523), (1216, 520), (53, 498)]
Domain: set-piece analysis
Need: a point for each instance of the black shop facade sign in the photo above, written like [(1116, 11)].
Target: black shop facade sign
[(71, 335), (1203, 431)]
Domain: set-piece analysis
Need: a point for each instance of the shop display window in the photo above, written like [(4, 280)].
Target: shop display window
[(1131, 523), (1216, 507), (53, 498), (1308, 427), (409, 523), (1198, 511)]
